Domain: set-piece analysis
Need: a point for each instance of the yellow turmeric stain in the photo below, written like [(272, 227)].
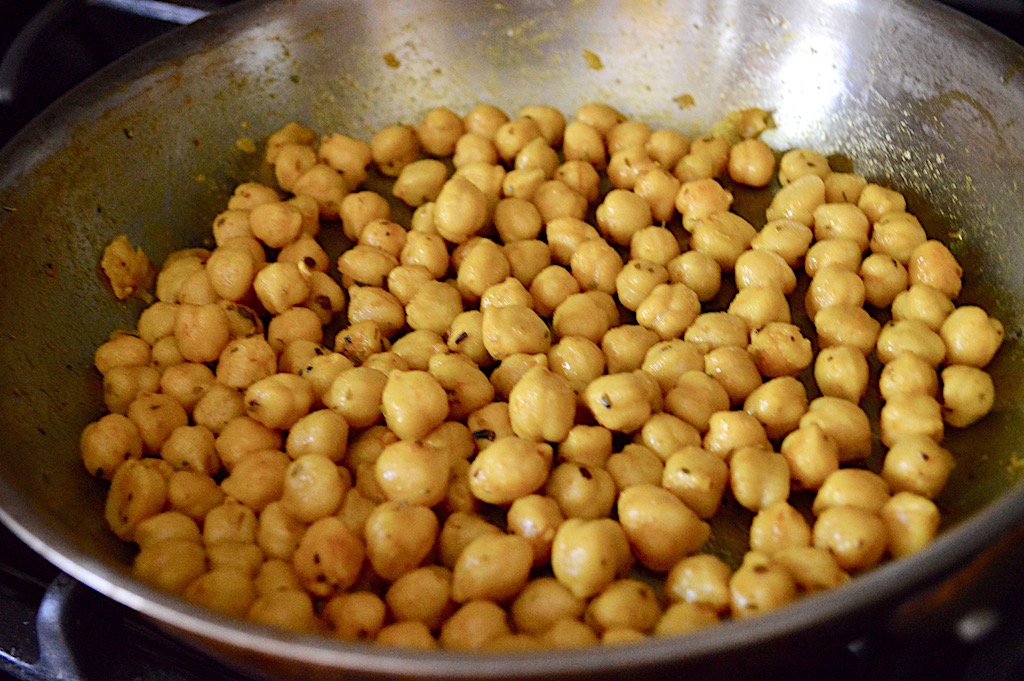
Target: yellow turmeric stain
[(391, 60), (593, 61)]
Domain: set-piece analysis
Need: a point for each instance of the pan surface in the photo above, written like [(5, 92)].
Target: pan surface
[(918, 96)]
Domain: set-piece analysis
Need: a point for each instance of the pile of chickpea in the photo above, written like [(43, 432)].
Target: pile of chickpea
[(489, 429)]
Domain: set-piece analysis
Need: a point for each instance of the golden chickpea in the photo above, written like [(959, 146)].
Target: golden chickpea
[(399, 537), (932, 264), (760, 305), (876, 201), (723, 237), (659, 188), (554, 199), (910, 335), (843, 187), (277, 532), (460, 210), (911, 522), (582, 490), (842, 371), (731, 430), (483, 265), (634, 465), (542, 406), (467, 387), (279, 400), (474, 625), (421, 595), (799, 162), (413, 635), (833, 285), (918, 464), (512, 368), (779, 527), (586, 445), (583, 142), (576, 359), (581, 177), (666, 434), (193, 494), (514, 329), (170, 565), (797, 200), (356, 394), (712, 330), (811, 454), (697, 271), (413, 403), (439, 130), (697, 477), (695, 397), (971, 337), (841, 221), (313, 488), (915, 414), (813, 569), (229, 521), (968, 394), (758, 477), (752, 163), (786, 238), (242, 435), (329, 557), (759, 585), (156, 416), (108, 442), (413, 472), (845, 422), (660, 528), (780, 349), (847, 325), (596, 265), (764, 268), (493, 567), (618, 402), (166, 525), (701, 580), (897, 234), (201, 332), (843, 253), (778, 404), (668, 310), (855, 536), (667, 360), (852, 487), (359, 209), (923, 303), (542, 603), (884, 279), (472, 147), (257, 478), (588, 555), (622, 214), (626, 165), (508, 469)]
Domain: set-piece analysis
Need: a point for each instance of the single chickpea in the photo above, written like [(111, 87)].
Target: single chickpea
[(472, 147), (932, 264), (758, 477), (811, 454), (856, 487), (911, 522), (844, 187), (840, 252), (635, 281), (734, 368), (764, 268), (468, 388), (897, 234), (971, 337), (596, 265), (242, 435), (622, 214), (659, 188), (413, 472), (257, 478), (624, 605), (667, 360), (201, 332), (474, 625), (394, 147), (634, 465), (527, 258), (278, 533), (751, 162), (356, 394), (421, 595), (493, 567), (842, 371), (667, 146), (723, 237), (359, 209), (542, 406), (507, 374), (588, 446), (731, 430), (778, 404), (845, 422), (876, 200), (583, 142), (841, 221), (108, 442), (550, 120), (156, 416), (666, 434), (413, 404), (780, 350), (459, 530), (420, 182), (554, 199), (588, 555), (136, 492), (779, 527), (697, 477), (399, 537), (968, 394), (855, 536), (578, 360), (170, 565), (787, 238), (279, 400), (121, 385), (439, 130), (847, 326), (701, 580), (799, 162), (460, 210), (813, 569), (627, 165), (915, 414), (187, 448), (668, 310), (695, 397), (797, 200), (759, 585), (833, 285), (910, 335), (918, 464), (581, 177), (712, 330), (760, 305), (535, 518), (582, 490), (543, 603), (698, 271), (514, 329), (654, 244), (508, 469), (618, 402), (660, 528), (923, 303)]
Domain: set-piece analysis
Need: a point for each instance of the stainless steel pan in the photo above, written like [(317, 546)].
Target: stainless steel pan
[(916, 94)]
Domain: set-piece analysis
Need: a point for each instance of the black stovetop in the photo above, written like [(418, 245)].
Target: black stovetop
[(41, 609)]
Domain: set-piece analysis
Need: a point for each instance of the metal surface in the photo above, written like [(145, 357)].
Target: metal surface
[(917, 95)]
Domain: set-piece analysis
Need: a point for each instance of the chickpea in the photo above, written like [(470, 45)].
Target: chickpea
[(932, 264), (847, 326), (201, 332), (278, 533), (923, 303), (845, 422), (170, 565), (855, 536), (156, 416), (537, 153), (764, 268), (970, 336), (187, 448), (581, 177), (474, 625), (659, 188), (759, 585), (358, 209), (841, 221), (751, 162), (911, 522), (779, 527), (413, 473), (512, 330), (700, 580), (483, 265), (780, 349), (193, 494), (413, 404), (884, 279), (618, 402), (897, 234), (288, 609), (811, 454), (356, 394), (760, 305), (467, 387), (426, 250), (666, 434), (695, 397), (586, 445), (279, 400), (565, 235), (508, 469), (731, 430), (910, 335), (660, 528), (841, 252), (697, 271), (576, 359), (711, 330), (915, 414), (668, 310), (242, 435), (460, 529), (852, 487), (460, 210), (758, 477), (634, 465), (554, 199), (328, 558), (786, 238), (465, 336), (542, 406), (797, 200), (582, 490), (588, 555), (583, 142), (493, 567), (596, 265), (917, 463), (842, 371), (137, 492), (813, 569), (621, 215), (107, 443), (313, 488), (968, 394), (399, 538), (723, 237), (876, 200), (778, 404), (697, 477), (421, 595), (667, 360), (833, 285)]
